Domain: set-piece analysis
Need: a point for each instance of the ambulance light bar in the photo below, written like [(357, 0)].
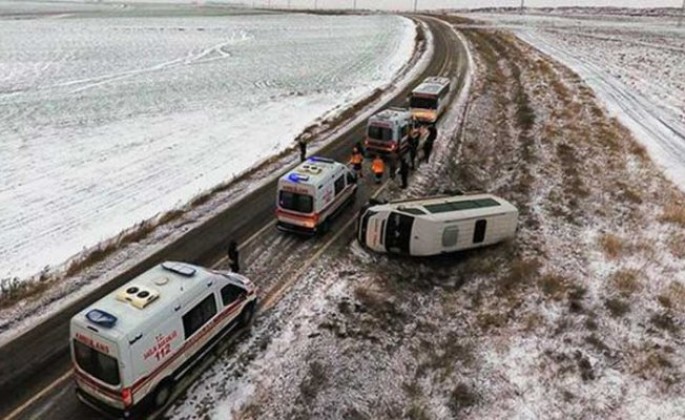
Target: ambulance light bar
[(320, 159), (295, 177), (101, 318), (179, 268)]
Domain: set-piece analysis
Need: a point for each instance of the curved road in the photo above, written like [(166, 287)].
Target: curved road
[(35, 368)]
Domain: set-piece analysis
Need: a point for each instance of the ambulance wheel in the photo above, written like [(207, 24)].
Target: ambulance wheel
[(326, 226), (163, 393), (247, 315)]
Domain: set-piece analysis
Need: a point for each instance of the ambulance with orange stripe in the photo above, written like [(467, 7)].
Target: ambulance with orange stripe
[(130, 348), (312, 194)]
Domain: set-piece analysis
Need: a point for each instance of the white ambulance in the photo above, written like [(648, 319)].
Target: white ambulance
[(131, 347), (437, 225), (429, 100), (387, 132), (312, 194)]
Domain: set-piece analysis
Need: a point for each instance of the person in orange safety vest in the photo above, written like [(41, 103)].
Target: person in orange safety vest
[(378, 167), (356, 161)]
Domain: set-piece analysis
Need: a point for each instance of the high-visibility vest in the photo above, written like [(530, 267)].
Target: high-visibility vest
[(356, 159), (378, 167)]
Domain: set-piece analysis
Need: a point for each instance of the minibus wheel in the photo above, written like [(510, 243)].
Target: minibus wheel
[(163, 393)]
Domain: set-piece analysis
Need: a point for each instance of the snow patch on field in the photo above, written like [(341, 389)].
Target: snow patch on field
[(106, 122), (634, 66)]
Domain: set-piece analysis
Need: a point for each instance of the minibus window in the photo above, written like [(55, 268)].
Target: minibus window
[(96, 364), (380, 133), (423, 103), (300, 203)]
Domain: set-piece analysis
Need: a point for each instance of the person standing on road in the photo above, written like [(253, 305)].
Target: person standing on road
[(392, 166), (428, 145), (233, 257), (404, 172), (303, 149), (356, 161), (413, 146), (378, 167), (360, 147)]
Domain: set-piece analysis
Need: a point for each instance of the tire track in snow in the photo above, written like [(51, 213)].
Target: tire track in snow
[(664, 137)]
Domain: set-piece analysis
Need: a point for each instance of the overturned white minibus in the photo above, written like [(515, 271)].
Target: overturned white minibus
[(436, 225)]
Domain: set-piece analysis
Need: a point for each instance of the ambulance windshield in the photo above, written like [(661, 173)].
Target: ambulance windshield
[(96, 364), (301, 203), (380, 133)]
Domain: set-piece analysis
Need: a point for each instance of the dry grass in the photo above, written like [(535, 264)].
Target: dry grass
[(676, 244), (553, 286), (673, 297), (13, 290), (521, 272), (612, 245), (617, 307), (626, 282), (673, 213), (461, 397)]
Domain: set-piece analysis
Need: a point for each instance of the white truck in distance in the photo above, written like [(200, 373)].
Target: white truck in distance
[(432, 226), (131, 347)]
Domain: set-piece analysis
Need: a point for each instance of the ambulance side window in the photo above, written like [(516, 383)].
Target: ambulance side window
[(230, 293), (351, 178), (339, 184), (194, 319)]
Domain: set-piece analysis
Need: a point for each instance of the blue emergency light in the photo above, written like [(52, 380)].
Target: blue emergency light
[(101, 318), (295, 177), (320, 159)]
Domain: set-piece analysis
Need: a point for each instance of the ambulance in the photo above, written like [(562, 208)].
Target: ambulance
[(131, 347), (387, 132), (312, 194), (429, 100)]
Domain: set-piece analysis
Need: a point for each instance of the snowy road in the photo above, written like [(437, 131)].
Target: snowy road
[(662, 133)]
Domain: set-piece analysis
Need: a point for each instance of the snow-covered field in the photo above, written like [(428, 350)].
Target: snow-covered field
[(107, 121), (634, 64)]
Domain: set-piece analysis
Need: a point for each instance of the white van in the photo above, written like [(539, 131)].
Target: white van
[(387, 132), (131, 347), (431, 226), (429, 100), (312, 194)]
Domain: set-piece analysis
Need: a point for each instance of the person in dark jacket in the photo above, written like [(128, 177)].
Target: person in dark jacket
[(303, 149), (430, 139), (392, 165), (233, 257), (404, 172), (413, 146)]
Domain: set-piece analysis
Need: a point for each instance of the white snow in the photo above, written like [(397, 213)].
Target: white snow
[(106, 122), (634, 66)]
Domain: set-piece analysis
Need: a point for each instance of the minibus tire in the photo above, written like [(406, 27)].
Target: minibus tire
[(163, 390)]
